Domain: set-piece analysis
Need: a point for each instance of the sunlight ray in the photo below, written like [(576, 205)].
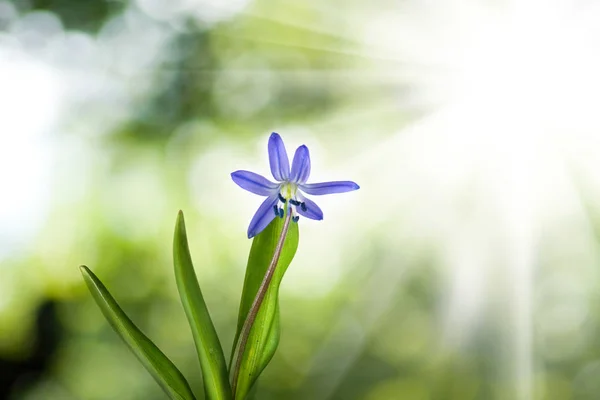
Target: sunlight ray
[(522, 89), (352, 328), (332, 30), (332, 49)]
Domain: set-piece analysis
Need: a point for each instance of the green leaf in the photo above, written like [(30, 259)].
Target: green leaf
[(264, 335), (210, 352), (160, 367)]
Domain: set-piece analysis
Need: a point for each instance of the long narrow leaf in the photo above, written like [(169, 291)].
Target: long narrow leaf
[(210, 352), (160, 367), (264, 335)]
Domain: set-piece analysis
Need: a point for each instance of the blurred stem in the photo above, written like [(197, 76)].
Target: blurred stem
[(258, 300)]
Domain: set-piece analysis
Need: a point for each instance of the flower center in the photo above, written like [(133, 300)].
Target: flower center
[(287, 194), (288, 191)]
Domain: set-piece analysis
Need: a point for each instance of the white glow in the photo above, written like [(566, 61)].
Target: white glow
[(522, 96), (512, 95), (30, 99)]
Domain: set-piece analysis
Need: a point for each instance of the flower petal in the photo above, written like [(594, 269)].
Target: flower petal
[(329, 187), (263, 216), (311, 209), (301, 165), (278, 159), (254, 183)]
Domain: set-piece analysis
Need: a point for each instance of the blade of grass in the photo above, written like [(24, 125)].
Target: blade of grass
[(208, 346), (160, 367)]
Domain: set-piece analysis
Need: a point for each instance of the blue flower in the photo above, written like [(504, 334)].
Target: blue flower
[(288, 188)]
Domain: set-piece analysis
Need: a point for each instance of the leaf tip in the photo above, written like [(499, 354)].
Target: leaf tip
[(180, 221)]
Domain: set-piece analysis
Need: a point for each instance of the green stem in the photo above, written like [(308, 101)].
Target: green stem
[(257, 302)]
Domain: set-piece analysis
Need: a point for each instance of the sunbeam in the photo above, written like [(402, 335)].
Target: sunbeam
[(513, 94)]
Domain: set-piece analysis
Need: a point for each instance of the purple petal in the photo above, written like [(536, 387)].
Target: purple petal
[(312, 210), (301, 165), (329, 187), (278, 159), (254, 183), (264, 215)]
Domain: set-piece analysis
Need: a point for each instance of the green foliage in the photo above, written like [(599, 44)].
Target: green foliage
[(208, 346), (80, 15), (159, 366), (264, 335)]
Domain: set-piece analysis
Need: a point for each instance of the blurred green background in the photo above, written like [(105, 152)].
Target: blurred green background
[(466, 266)]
